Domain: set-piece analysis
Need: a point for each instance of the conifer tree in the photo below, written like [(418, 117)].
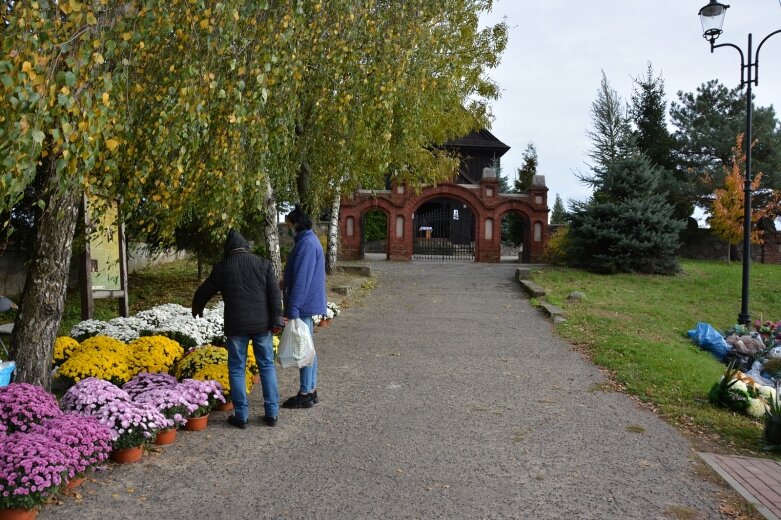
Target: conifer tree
[(528, 170), (626, 226), (558, 214)]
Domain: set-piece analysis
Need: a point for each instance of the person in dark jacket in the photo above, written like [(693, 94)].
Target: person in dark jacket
[(253, 311), (304, 287)]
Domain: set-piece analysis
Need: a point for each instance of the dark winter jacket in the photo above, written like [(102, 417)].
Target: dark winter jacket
[(305, 277), (249, 289)]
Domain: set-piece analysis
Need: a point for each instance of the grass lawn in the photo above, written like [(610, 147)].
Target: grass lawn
[(635, 326)]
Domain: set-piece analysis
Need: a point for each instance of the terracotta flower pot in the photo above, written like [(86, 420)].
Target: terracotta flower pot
[(74, 483), (224, 407), (127, 455), (324, 323), (167, 436), (18, 514), (196, 424), (256, 379)]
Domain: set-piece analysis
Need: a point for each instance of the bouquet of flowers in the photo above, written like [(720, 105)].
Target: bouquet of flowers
[(90, 395), (84, 434), (203, 394), (22, 405), (146, 381), (171, 401), (199, 358), (32, 466)]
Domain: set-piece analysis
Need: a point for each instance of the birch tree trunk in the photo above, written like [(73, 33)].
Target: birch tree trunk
[(333, 232), (43, 297), (271, 230)]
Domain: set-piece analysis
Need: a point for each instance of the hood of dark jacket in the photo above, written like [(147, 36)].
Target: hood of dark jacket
[(235, 241)]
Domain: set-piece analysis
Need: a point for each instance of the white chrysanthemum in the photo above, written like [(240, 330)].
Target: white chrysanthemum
[(756, 408), (334, 309), (768, 393), (163, 313), (184, 329), (740, 386), (87, 329)]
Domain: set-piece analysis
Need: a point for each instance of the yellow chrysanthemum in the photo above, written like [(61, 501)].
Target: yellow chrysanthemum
[(64, 347), (106, 365), (154, 354), (199, 358), (100, 344), (219, 373)]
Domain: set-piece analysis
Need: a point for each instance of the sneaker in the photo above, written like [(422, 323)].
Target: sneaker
[(314, 397), (299, 401), (238, 423), (269, 421)]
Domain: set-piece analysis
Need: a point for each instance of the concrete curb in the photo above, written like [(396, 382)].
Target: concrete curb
[(534, 290)]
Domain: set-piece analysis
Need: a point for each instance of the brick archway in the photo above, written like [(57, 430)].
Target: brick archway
[(488, 205)]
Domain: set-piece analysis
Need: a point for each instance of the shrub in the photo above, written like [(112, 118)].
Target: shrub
[(556, 249)]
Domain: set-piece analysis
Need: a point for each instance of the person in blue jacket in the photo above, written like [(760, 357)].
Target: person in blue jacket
[(303, 285)]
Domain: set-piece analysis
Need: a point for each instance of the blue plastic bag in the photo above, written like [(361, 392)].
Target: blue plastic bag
[(709, 339), (6, 370)]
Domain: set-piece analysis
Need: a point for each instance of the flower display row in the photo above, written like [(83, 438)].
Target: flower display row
[(170, 320), (42, 448), (44, 445), (111, 360)]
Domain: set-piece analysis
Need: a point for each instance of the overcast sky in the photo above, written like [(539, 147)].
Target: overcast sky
[(557, 50)]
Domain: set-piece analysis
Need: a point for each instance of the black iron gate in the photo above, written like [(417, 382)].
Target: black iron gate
[(444, 234)]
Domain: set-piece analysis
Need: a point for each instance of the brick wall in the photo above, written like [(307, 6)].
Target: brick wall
[(486, 203)]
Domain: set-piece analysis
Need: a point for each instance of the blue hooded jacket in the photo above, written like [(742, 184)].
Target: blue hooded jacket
[(305, 277)]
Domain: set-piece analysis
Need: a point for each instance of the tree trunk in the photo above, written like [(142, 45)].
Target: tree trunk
[(199, 256), (43, 298), (270, 229), (333, 232), (303, 184)]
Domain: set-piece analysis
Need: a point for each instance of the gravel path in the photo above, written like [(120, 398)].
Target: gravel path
[(445, 395)]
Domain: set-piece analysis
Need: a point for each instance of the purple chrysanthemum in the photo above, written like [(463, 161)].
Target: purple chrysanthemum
[(91, 394), (146, 381), (90, 439), (32, 465), (204, 394), (23, 404)]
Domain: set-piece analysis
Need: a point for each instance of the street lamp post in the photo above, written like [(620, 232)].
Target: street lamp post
[(712, 17)]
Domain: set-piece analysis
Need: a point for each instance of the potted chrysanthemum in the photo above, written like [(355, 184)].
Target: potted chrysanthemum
[(90, 440), (146, 381), (204, 395), (90, 395), (134, 425), (220, 374), (22, 405), (172, 402), (33, 466)]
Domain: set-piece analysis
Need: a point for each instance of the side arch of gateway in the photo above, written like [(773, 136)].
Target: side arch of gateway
[(478, 226)]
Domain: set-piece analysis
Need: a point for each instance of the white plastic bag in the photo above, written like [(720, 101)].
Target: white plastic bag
[(296, 348)]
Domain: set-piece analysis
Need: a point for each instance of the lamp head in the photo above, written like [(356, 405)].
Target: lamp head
[(712, 18)]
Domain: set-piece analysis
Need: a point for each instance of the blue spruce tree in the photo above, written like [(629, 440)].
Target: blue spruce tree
[(627, 225)]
